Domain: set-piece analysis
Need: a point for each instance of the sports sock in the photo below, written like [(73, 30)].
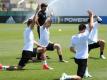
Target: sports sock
[(101, 53), (44, 62), (60, 57)]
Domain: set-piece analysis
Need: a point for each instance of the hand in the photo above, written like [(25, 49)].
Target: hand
[(43, 49), (90, 12)]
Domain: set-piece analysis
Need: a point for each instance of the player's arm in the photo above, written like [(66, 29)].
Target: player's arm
[(91, 20), (39, 14), (72, 49), (37, 22), (37, 44), (38, 8), (40, 48), (33, 20), (34, 17)]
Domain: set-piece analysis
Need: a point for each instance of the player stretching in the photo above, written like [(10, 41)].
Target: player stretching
[(79, 45)]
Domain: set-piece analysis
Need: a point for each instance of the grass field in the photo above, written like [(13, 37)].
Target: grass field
[(11, 44)]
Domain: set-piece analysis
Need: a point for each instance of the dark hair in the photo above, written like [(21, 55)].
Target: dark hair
[(29, 22), (43, 5), (82, 27)]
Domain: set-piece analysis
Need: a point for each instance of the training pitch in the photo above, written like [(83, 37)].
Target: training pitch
[(11, 44)]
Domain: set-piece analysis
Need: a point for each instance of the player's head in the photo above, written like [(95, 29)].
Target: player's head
[(43, 6), (82, 27), (30, 22)]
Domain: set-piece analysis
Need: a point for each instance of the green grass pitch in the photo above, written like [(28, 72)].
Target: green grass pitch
[(11, 44)]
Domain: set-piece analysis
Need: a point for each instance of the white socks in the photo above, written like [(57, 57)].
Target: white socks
[(44, 62), (65, 76), (87, 74)]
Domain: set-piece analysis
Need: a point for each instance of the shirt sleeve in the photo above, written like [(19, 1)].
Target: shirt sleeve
[(87, 27), (71, 42), (99, 19), (94, 33)]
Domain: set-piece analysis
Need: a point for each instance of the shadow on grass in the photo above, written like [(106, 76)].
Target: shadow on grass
[(23, 70), (30, 61), (95, 58), (72, 58), (18, 58), (56, 79)]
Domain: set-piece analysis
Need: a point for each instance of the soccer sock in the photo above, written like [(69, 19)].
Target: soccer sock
[(0, 66), (5, 67), (11, 68), (69, 77), (44, 62), (101, 53), (60, 57), (86, 71), (39, 56)]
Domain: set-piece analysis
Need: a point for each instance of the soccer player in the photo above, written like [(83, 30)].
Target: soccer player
[(93, 38), (79, 45), (39, 2), (41, 17), (44, 39), (28, 47), (93, 41), (40, 20)]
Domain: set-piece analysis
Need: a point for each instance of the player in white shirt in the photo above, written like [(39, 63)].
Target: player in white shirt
[(28, 47), (40, 20), (28, 44), (94, 41), (79, 45), (44, 40), (39, 2)]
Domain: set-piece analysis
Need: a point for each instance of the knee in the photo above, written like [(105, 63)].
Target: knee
[(57, 46), (41, 50), (102, 42)]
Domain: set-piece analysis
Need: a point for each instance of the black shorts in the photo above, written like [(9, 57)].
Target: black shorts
[(38, 31), (50, 47), (26, 55), (93, 46), (34, 52), (82, 64)]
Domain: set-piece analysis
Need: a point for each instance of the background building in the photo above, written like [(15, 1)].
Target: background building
[(71, 11)]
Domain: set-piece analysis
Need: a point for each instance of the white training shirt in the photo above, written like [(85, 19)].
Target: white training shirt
[(80, 44), (44, 36), (28, 39), (93, 37)]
